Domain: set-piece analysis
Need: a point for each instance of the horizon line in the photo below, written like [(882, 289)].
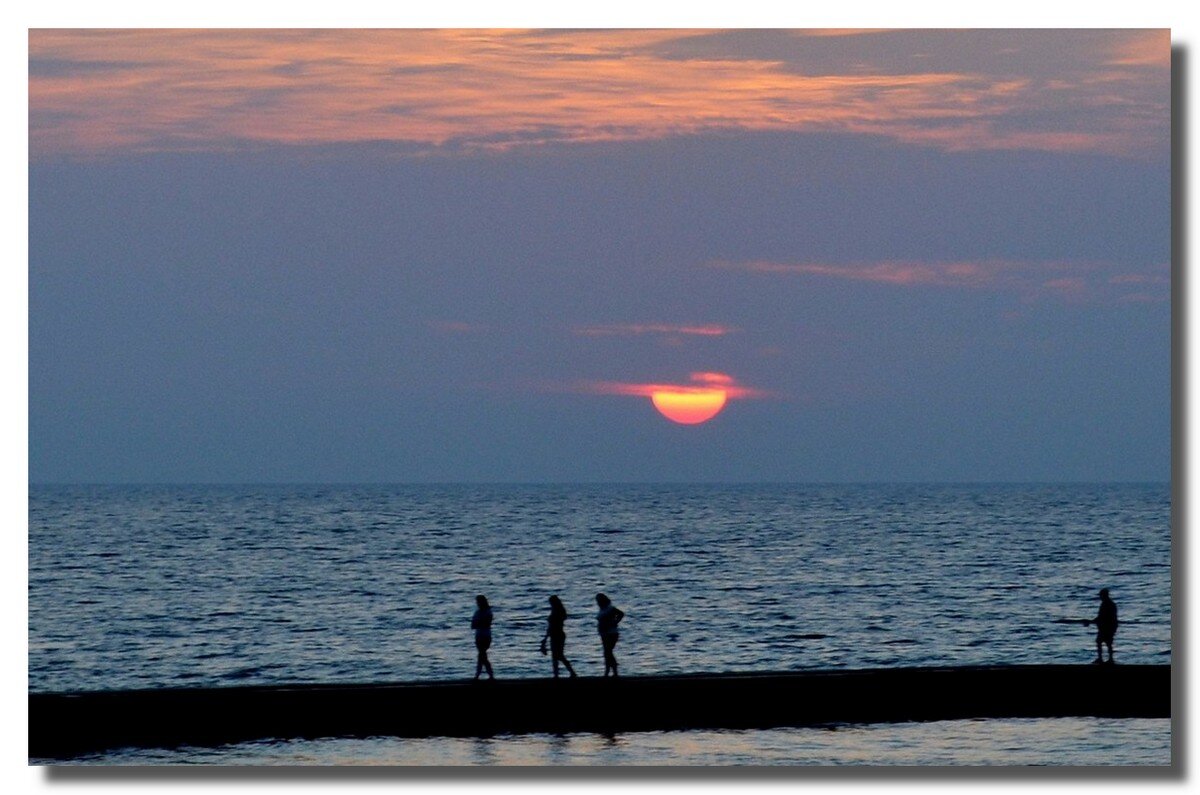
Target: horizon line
[(996, 482)]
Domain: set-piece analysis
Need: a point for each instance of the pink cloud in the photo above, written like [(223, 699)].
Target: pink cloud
[(1152, 287), (699, 382), (951, 274), (1144, 298), (455, 327), (1139, 278), (1073, 289), (713, 379), (1031, 280), (628, 329)]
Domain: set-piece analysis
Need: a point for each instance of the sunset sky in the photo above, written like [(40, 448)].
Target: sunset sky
[(373, 255)]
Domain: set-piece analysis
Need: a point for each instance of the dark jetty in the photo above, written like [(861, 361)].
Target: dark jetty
[(63, 725)]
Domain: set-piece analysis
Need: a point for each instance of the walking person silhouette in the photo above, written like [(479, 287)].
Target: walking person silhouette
[(481, 622), (606, 622), (556, 633), (1106, 626)]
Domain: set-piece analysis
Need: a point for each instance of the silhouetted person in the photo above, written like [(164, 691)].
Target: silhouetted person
[(606, 622), (481, 622), (556, 633), (1106, 626)]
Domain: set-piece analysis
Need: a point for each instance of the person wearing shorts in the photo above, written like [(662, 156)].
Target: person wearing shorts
[(606, 623), (1106, 626), (481, 622), (556, 633)]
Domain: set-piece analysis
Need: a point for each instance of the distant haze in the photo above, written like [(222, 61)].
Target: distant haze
[(412, 256)]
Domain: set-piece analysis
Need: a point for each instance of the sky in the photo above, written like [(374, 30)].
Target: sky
[(413, 256)]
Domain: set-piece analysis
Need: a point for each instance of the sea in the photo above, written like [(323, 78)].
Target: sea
[(210, 585)]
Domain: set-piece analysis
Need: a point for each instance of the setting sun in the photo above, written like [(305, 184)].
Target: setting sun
[(686, 404), (691, 407)]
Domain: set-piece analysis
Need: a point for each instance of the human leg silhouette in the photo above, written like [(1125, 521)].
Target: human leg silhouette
[(482, 662), (610, 659)]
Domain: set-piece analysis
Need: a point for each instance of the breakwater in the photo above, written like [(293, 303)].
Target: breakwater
[(64, 725)]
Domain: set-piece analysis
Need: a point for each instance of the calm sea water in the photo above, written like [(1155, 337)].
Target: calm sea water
[(170, 586)]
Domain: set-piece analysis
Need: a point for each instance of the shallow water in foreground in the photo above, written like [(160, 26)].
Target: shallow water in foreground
[(1057, 741)]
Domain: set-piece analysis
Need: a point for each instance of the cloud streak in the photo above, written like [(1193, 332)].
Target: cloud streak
[(636, 329), (698, 383), (455, 327), (110, 91), (903, 273), (1072, 281)]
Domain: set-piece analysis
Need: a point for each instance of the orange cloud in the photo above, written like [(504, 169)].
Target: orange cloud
[(1143, 48), (425, 91), (832, 32)]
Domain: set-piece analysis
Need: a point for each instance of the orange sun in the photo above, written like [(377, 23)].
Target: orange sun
[(689, 407), (686, 404)]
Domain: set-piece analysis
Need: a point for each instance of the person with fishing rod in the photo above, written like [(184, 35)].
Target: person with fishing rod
[(1106, 625)]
